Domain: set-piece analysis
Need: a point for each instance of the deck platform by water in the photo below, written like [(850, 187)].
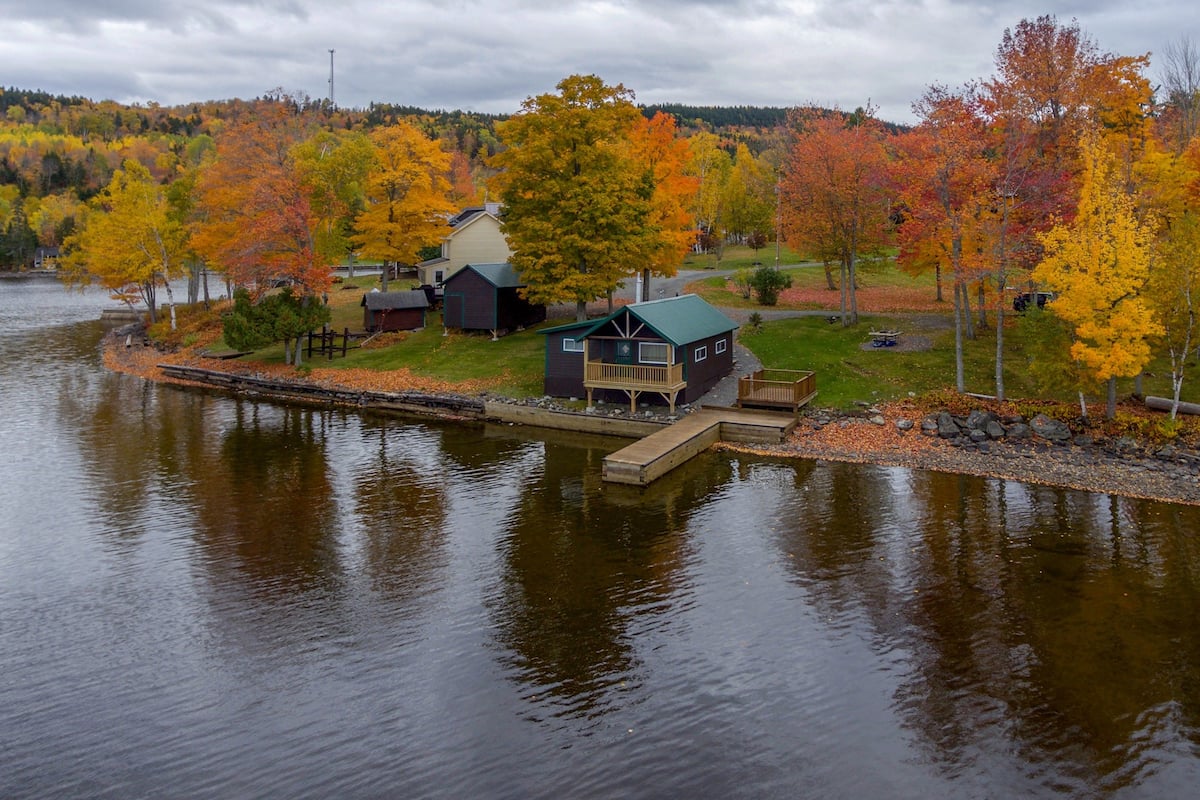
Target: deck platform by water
[(650, 458)]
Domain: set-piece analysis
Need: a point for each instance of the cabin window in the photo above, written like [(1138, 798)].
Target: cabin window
[(572, 345), (701, 353), (653, 353), (438, 276), (721, 345)]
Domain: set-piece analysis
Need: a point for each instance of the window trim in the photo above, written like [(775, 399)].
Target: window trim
[(576, 345), (720, 346), (666, 353), (700, 354)]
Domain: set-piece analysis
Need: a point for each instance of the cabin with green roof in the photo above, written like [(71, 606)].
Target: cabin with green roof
[(486, 297), (675, 349)]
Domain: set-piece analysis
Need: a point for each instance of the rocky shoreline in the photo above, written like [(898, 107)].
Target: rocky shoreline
[(983, 442), (1038, 451)]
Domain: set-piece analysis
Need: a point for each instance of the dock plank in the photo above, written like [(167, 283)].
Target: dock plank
[(648, 459)]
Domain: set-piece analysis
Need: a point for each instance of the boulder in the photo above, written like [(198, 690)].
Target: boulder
[(994, 429), (1050, 429), (1018, 430), (904, 425), (977, 420), (947, 428)]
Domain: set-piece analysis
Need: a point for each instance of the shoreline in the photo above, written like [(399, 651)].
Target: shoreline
[(877, 440)]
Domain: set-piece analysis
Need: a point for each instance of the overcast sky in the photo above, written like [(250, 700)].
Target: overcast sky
[(489, 56)]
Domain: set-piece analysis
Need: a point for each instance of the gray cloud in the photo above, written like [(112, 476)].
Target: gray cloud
[(489, 56)]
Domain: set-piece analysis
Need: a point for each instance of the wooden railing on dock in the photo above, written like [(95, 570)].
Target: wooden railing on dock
[(777, 388), (640, 377)]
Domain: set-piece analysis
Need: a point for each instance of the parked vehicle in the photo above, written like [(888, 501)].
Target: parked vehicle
[(1024, 299)]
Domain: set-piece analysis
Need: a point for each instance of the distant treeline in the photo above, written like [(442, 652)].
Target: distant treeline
[(722, 116)]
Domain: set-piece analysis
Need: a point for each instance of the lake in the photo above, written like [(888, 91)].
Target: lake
[(202, 596)]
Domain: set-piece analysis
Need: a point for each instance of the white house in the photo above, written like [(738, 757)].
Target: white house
[(475, 238)]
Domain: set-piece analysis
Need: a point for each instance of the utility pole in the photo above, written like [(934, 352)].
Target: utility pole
[(331, 78)]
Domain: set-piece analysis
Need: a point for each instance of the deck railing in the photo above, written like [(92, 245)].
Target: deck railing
[(785, 388), (602, 375)]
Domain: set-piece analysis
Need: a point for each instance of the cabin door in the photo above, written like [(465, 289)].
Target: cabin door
[(624, 351)]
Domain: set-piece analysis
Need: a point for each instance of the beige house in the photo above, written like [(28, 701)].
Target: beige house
[(475, 238)]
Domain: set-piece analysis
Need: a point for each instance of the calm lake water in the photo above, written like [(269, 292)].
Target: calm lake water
[(207, 597)]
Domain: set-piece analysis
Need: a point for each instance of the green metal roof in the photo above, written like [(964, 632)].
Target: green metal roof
[(587, 323), (678, 320), (502, 276)]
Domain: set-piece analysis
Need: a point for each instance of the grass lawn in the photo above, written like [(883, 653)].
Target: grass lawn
[(847, 373), (739, 255), (513, 365), (883, 289)]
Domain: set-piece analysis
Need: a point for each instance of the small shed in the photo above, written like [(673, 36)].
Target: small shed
[(676, 348), (486, 297), (394, 311)]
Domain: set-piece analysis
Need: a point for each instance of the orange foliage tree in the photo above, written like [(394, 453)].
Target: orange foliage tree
[(665, 157), (947, 187), (254, 219), (835, 194)]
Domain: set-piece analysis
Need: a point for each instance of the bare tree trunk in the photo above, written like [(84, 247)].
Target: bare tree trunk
[(842, 288), (968, 321), (829, 277), (1082, 406), (937, 279), (1000, 353), (981, 306), (387, 269), (959, 378), (1110, 409), (170, 302), (581, 311)]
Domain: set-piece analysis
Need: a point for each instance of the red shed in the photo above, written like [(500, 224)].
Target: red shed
[(394, 311)]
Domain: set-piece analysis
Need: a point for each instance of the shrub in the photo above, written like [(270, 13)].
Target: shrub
[(768, 283)]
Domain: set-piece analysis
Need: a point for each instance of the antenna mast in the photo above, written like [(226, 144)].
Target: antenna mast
[(331, 77)]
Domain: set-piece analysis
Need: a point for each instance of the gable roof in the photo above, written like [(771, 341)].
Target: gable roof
[(471, 212), (678, 320), (392, 301), (502, 276)]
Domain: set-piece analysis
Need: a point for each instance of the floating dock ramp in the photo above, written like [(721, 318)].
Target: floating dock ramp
[(648, 459)]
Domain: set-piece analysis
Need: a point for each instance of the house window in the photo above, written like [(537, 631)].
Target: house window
[(653, 353), (701, 353), (721, 345), (572, 345), (437, 277)]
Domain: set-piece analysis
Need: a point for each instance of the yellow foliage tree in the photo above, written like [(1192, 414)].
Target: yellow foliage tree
[(1098, 265), (129, 240), (407, 196)]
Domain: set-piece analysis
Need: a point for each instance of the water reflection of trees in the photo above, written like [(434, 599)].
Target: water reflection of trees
[(1050, 626), (267, 506), (400, 498), (583, 564)]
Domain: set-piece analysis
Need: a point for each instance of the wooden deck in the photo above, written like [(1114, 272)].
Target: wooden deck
[(633, 379), (777, 388), (647, 460)]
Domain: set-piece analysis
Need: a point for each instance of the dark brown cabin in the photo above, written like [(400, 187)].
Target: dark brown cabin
[(677, 349), (485, 297), (394, 311)]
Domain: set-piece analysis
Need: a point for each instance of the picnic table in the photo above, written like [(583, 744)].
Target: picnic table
[(885, 338)]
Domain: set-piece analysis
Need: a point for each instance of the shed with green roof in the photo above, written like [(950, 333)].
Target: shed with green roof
[(486, 297)]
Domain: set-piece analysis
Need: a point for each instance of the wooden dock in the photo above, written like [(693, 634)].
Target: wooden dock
[(648, 459)]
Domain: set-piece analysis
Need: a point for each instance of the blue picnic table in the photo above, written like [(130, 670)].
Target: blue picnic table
[(885, 338)]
